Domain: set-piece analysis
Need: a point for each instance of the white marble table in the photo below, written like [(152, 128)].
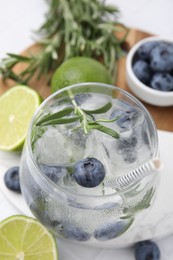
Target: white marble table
[(17, 20)]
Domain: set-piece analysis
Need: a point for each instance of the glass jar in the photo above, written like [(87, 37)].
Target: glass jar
[(93, 125)]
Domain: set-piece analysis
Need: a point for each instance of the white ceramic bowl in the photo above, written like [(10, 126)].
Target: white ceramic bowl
[(143, 92)]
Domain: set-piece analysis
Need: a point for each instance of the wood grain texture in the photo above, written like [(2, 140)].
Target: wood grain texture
[(163, 117)]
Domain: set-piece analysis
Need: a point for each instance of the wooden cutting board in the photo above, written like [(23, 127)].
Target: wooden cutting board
[(163, 117)]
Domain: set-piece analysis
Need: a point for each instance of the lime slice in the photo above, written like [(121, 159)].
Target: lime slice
[(25, 238), (17, 106)]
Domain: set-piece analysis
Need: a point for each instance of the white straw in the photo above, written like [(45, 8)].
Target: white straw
[(134, 176)]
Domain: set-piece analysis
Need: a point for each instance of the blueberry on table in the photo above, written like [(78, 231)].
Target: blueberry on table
[(112, 230), (89, 172), (161, 58), (145, 49), (147, 250), (11, 179), (142, 71), (162, 82)]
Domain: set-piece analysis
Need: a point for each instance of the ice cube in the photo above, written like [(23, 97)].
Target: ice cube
[(81, 98), (54, 173), (130, 116), (95, 101), (60, 146)]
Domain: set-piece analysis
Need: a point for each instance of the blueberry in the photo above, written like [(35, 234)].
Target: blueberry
[(75, 204), (118, 113), (145, 49), (54, 173), (127, 118), (142, 71), (89, 172), (161, 58), (162, 81), (81, 98), (11, 179), (126, 147), (73, 232), (127, 144), (147, 250), (78, 137), (41, 214), (112, 230), (130, 156)]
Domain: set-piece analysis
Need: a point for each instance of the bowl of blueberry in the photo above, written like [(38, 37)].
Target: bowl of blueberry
[(149, 70)]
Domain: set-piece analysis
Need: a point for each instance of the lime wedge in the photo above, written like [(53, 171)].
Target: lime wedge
[(25, 238), (17, 106)]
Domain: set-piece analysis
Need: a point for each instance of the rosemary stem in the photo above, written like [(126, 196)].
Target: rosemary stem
[(78, 111)]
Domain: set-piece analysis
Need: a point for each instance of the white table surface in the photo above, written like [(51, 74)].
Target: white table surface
[(17, 20)]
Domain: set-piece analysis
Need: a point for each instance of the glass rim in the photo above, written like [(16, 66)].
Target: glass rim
[(98, 84)]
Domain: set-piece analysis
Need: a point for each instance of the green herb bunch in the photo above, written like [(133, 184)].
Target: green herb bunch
[(71, 28)]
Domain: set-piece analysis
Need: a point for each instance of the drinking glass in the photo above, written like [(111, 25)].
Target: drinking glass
[(89, 167)]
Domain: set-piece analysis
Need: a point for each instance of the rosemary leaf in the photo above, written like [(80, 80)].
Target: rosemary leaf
[(99, 110), (104, 120), (61, 121), (105, 130), (57, 115), (19, 57)]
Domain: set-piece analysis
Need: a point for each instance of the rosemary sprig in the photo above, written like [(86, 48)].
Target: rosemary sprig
[(71, 28), (85, 117)]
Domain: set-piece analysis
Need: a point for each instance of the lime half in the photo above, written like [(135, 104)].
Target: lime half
[(25, 238), (17, 106)]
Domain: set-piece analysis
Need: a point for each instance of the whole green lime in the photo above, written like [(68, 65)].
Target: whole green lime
[(79, 69)]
